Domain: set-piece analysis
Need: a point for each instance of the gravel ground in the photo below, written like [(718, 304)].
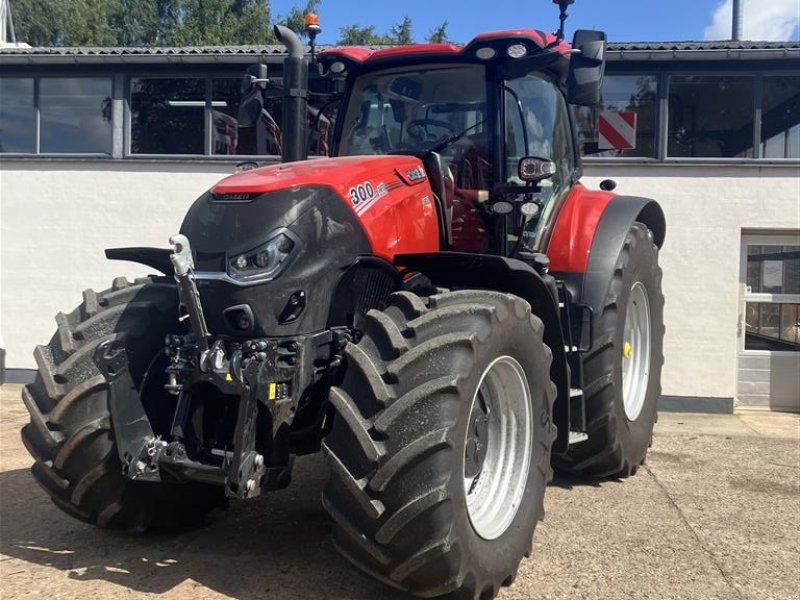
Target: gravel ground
[(714, 514)]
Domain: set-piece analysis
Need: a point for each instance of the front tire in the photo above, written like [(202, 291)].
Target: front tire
[(71, 433), (421, 489), (622, 372)]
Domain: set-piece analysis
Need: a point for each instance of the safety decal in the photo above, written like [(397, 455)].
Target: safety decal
[(365, 194)]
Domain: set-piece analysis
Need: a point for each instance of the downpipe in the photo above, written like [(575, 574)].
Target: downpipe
[(295, 96)]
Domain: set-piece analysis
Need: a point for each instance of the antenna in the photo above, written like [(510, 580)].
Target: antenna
[(562, 5)]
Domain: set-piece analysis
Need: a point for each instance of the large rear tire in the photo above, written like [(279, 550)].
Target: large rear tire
[(440, 449), (71, 432), (623, 370)]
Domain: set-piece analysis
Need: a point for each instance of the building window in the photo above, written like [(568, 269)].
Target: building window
[(75, 115), (780, 117), (623, 93), (227, 136), (773, 269), (17, 115), (168, 115), (711, 116), (772, 286)]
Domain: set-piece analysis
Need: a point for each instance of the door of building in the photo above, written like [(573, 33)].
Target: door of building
[(768, 373)]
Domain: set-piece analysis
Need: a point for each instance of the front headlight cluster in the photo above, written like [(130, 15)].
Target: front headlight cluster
[(263, 262)]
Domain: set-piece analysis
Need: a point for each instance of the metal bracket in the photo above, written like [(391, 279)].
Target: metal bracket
[(247, 466), (137, 445)]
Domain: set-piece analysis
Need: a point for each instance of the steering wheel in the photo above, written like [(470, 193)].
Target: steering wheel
[(423, 124)]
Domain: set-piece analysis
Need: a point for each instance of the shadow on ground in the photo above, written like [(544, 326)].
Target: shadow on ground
[(277, 546)]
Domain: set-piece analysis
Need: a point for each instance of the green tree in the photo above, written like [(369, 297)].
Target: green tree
[(65, 22), (438, 35), (356, 35), (142, 22), (222, 22), (401, 33)]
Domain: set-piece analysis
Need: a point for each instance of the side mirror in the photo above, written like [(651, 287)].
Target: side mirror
[(586, 67), (254, 76), (533, 168), (252, 101)]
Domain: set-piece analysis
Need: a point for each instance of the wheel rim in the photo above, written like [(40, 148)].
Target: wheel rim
[(498, 450), (636, 352)]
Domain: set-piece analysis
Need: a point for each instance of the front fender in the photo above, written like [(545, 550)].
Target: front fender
[(156, 258), (588, 236)]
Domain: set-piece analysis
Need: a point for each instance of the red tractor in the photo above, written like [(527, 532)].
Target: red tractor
[(440, 307)]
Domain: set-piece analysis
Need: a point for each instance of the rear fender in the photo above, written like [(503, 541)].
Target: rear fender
[(483, 271)]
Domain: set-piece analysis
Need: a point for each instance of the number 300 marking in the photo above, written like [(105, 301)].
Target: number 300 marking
[(361, 193)]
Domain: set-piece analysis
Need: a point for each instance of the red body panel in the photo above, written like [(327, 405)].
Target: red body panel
[(574, 229), (390, 195)]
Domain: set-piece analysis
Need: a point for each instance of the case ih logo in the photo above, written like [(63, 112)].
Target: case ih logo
[(416, 174), (234, 197), (617, 131)]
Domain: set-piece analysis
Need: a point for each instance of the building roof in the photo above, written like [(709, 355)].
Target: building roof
[(706, 51), (653, 51)]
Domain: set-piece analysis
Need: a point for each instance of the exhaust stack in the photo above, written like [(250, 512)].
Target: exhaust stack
[(738, 9), (295, 96)]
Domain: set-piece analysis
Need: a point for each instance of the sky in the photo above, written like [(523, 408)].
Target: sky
[(623, 20)]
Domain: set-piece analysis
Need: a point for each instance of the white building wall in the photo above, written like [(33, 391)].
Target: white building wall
[(707, 207), (56, 217)]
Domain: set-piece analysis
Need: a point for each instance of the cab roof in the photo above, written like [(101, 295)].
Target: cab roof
[(534, 41)]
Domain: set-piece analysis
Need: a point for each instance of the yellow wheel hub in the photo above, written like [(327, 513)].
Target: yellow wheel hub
[(627, 349)]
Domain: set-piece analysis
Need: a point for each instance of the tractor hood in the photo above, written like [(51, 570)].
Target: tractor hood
[(344, 175)]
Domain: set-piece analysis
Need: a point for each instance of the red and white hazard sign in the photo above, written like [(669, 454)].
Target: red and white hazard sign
[(617, 131)]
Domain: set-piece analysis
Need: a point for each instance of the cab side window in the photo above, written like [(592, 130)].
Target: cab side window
[(538, 124)]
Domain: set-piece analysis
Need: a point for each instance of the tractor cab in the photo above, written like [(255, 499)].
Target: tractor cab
[(490, 121)]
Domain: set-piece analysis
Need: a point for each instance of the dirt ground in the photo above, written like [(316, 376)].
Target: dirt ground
[(715, 514)]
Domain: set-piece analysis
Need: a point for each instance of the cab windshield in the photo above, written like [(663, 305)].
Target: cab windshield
[(414, 109)]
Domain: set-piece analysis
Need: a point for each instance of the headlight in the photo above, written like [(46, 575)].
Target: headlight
[(263, 262)]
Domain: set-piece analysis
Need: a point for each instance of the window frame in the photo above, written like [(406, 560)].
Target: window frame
[(664, 76), (121, 114), (771, 238), (208, 77), (37, 115)]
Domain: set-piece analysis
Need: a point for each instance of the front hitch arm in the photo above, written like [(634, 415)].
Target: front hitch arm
[(137, 445), (247, 467)]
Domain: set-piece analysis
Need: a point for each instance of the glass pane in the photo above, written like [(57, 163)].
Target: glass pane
[(75, 114), (320, 124), (711, 116), (537, 124), (226, 136), (17, 117), (623, 93), (790, 323), (772, 326), (167, 116), (769, 319), (773, 269), (780, 117), (418, 108)]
